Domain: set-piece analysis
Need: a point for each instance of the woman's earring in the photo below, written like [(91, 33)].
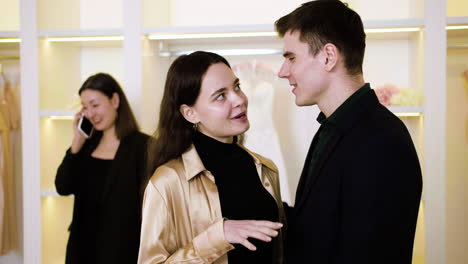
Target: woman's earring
[(195, 126)]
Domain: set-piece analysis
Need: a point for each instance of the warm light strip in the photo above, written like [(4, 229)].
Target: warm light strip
[(168, 36), (392, 30), (76, 39), (61, 117), (456, 27), (226, 52), (408, 114), (172, 36), (10, 40)]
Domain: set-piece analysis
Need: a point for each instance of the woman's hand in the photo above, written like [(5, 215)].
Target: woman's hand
[(238, 231), (78, 138)]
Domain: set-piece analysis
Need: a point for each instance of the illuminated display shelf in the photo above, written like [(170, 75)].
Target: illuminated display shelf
[(68, 114), (49, 193), (401, 25), (387, 28), (9, 34), (80, 33), (461, 20), (57, 113), (398, 25), (407, 110)]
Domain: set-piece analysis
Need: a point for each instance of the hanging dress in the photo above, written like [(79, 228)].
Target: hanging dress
[(258, 82), (9, 120)]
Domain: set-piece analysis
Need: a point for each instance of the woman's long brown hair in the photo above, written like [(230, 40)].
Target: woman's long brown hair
[(173, 135)]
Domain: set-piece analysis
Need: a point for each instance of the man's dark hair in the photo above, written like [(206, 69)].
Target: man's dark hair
[(328, 21)]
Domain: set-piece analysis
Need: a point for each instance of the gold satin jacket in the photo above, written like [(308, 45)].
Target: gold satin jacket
[(182, 221)]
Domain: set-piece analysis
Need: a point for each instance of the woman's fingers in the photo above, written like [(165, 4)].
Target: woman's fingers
[(238, 231), (246, 243), (266, 231), (266, 228), (76, 118), (259, 235), (78, 139), (269, 224)]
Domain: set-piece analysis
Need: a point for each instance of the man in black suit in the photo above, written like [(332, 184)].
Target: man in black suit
[(360, 189)]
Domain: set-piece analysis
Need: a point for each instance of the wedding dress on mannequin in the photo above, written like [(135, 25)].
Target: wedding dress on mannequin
[(258, 80)]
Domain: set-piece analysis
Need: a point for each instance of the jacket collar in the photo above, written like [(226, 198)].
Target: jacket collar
[(259, 160), (194, 165), (347, 114)]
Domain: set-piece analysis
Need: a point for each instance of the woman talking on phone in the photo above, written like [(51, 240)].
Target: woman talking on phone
[(209, 200), (104, 169)]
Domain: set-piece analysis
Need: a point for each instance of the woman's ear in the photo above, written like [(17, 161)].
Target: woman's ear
[(115, 100), (189, 114)]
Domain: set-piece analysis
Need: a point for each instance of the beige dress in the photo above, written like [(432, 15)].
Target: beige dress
[(9, 121)]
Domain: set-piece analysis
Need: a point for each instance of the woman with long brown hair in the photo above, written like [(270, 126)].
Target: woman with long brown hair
[(209, 200), (104, 171)]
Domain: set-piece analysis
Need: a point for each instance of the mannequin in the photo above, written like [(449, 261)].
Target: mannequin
[(257, 80)]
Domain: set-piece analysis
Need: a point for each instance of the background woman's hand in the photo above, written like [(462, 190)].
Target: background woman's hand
[(78, 138), (239, 231)]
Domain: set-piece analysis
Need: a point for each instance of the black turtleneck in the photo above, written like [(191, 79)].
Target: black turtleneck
[(241, 193)]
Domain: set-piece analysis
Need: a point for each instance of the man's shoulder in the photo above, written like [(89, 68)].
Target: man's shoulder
[(380, 119)]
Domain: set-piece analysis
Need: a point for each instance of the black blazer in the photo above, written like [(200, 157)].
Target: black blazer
[(120, 204), (360, 203)]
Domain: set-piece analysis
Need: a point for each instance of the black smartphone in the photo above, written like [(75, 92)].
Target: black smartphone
[(85, 127)]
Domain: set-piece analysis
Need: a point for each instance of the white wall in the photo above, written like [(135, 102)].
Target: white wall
[(101, 14), (457, 156), (396, 9), (9, 15), (240, 12), (244, 12), (108, 60)]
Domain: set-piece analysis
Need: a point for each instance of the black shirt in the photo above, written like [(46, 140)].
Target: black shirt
[(241, 193), (330, 127), (92, 192)]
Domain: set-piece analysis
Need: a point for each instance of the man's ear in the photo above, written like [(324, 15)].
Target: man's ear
[(331, 55), (115, 100), (189, 114)]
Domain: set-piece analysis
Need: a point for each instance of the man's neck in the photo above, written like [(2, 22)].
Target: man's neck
[(338, 91)]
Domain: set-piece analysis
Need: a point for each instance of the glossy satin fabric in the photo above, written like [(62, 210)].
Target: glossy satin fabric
[(182, 220)]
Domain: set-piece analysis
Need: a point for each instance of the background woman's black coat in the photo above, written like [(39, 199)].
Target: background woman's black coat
[(120, 204)]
